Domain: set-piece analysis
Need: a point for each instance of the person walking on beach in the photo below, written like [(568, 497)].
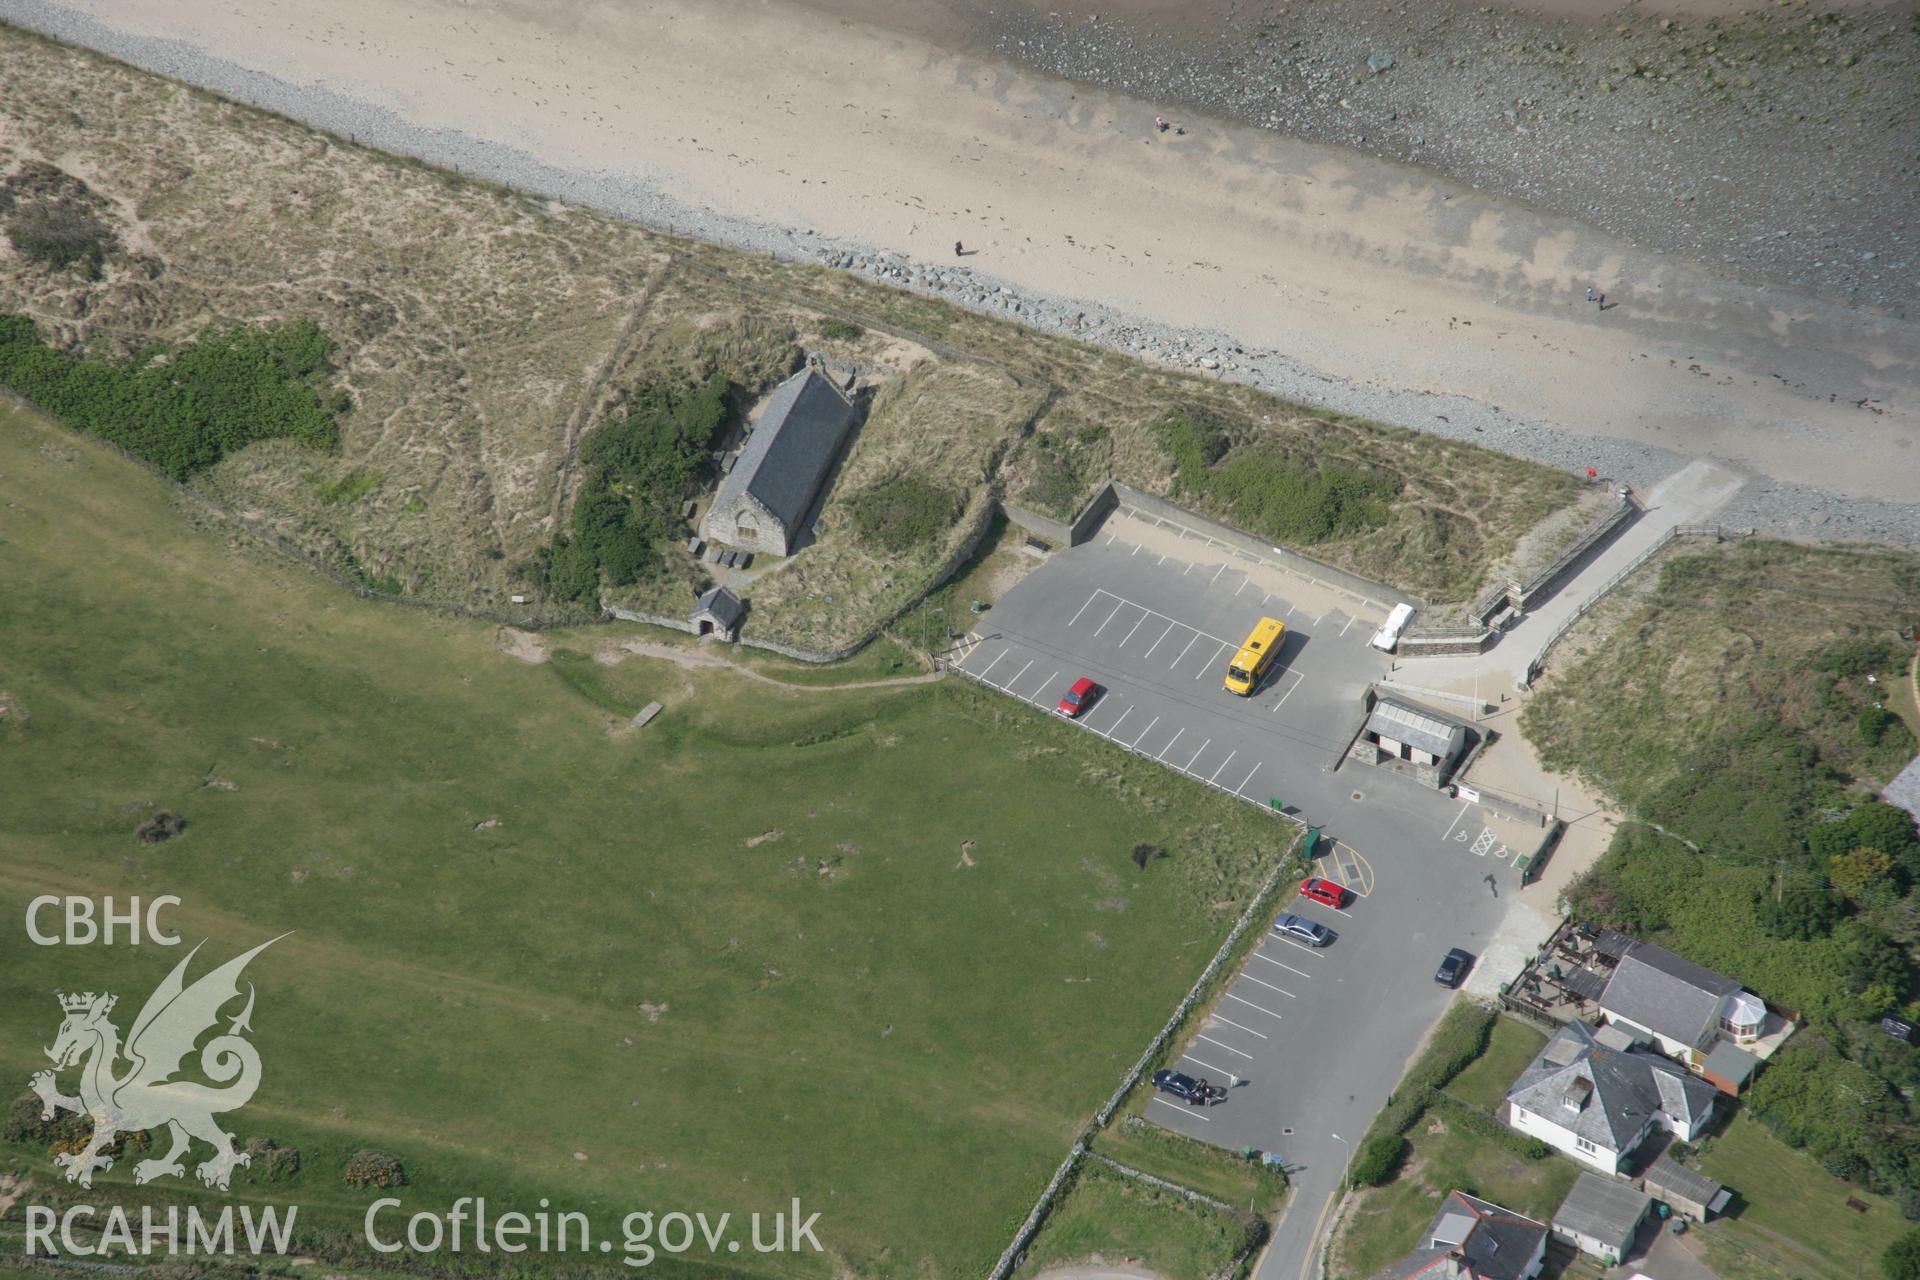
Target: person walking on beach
[(1589, 293), (959, 251)]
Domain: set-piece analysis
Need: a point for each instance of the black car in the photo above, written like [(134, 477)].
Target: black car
[(1453, 968), (1197, 1093)]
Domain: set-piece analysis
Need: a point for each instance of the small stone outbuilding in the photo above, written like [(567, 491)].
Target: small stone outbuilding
[(718, 613), (1412, 738), (771, 489), (1691, 1194)]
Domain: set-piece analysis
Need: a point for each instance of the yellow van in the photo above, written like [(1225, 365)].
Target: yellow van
[(1256, 656)]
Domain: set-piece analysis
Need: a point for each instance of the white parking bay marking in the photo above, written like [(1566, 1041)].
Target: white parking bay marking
[(1299, 946), (1187, 1057), (1040, 693), (1116, 609), (1083, 608), (1223, 765), (1236, 1026), (1169, 746), (1136, 627), (1350, 622), (1183, 652), (1216, 575), (1289, 968), (1247, 977), (990, 666), (1016, 675), (1298, 680), (1208, 664), (1242, 788), (1456, 818), (1118, 723), (1187, 1110), (1201, 1035), (1144, 732), (1251, 1005), (1163, 636), (1196, 755)]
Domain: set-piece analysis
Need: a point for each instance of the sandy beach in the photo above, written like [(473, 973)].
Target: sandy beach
[(1359, 283)]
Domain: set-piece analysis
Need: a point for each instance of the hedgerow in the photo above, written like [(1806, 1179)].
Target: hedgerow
[(183, 410)]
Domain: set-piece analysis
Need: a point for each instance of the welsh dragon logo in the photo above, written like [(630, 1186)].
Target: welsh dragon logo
[(147, 1094)]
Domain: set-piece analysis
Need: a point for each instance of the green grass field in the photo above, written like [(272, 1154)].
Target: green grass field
[(1789, 1215), (779, 943), (1121, 1220)]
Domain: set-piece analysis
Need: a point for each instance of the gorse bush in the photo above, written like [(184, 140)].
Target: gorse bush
[(186, 409), (372, 1169), (61, 235), (1265, 491), (638, 463), (904, 512), (1379, 1159)]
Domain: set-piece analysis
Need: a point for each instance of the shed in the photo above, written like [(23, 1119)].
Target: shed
[(1601, 1216), (1729, 1067), (1692, 1194), (718, 613), (1399, 730)]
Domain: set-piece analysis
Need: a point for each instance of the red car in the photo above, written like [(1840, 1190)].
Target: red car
[(1324, 892), (1078, 698)]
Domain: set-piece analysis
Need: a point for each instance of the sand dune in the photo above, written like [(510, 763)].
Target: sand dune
[(1376, 275)]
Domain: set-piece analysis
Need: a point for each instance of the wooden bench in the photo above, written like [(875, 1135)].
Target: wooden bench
[(1857, 1206)]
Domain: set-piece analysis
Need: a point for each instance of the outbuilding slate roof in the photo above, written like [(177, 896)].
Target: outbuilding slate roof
[(1416, 727), (725, 607), (1478, 1237), (1601, 1209), (1615, 1090), (1731, 1063), (1674, 1179), (1665, 993), (792, 447)]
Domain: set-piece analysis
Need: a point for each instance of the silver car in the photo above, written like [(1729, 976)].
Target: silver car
[(1301, 929)]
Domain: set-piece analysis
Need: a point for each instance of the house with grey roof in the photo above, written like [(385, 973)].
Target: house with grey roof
[(1596, 1095), (776, 481), (1683, 1007), (1600, 1217), (1474, 1239)]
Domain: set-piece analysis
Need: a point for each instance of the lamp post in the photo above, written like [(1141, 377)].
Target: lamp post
[(1348, 1166)]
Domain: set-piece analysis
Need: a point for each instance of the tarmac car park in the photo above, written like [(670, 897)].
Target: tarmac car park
[(1307, 1041)]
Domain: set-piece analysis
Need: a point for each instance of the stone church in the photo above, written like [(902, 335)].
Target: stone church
[(767, 499)]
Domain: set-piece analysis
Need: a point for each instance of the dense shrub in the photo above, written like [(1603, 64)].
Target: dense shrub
[(1901, 1261), (639, 463), (1747, 797), (658, 442), (840, 330), (904, 512), (372, 1169), (1379, 1159), (1874, 723), (23, 1122), (61, 235), (1909, 1202), (1269, 493), (271, 1162), (184, 410)]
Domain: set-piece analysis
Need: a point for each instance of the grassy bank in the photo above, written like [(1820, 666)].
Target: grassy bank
[(1111, 1218), (779, 943)]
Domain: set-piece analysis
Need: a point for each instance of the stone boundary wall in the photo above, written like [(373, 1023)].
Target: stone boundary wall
[(1434, 644), (1258, 550), (1715, 532), (1261, 902), (1524, 595)]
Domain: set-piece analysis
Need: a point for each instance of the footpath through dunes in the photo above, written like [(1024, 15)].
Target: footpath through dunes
[(1363, 285)]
